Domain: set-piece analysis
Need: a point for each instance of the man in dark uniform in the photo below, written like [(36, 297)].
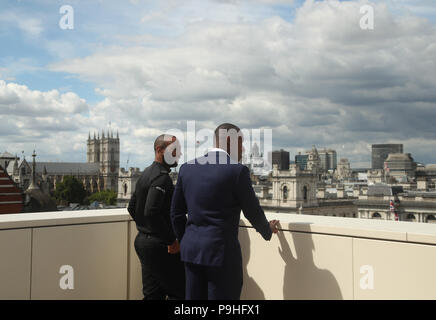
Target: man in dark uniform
[(156, 244)]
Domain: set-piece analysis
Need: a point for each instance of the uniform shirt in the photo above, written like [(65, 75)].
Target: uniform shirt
[(151, 201)]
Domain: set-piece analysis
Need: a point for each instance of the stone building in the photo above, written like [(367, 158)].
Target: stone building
[(314, 163), (413, 206), (100, 172), (401, 166), (126, 184), (296, 191), (5, 159), (380, 152), (34, 199), (106, 153), (375, 176), (256, 162), (343, 170)]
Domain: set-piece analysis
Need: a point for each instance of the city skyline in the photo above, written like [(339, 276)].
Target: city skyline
[(305, 69), (246, 155)]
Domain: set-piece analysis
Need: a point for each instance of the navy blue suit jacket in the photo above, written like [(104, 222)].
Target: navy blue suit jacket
[(212, 190)]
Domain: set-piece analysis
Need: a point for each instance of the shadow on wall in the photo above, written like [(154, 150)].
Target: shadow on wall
[(302, 278), (250, 289)]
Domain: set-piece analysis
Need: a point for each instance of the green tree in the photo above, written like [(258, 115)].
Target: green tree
[(70, 190), (108, 197)]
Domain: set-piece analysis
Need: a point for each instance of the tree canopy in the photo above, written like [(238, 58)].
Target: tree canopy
[(106, 196), (70, 190)]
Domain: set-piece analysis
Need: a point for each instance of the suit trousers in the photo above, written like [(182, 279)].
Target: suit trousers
[(163, 274), (214, 283)]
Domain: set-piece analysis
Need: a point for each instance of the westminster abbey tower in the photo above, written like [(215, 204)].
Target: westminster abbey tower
[(106, 152)]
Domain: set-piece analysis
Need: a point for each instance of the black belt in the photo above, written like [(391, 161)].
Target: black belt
[(148, 235)]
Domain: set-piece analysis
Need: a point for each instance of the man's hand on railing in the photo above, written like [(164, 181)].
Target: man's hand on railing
[(273, 224), (174, 248)]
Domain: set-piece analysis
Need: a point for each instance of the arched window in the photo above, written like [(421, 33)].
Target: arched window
[(125, 189), (285, 193), (411, 217), (305, 193), (376, 216)]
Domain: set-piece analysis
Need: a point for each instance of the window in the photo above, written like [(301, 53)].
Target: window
[(285, 193), (305, 193), (431, 219), (410, 217), (125, 189), (376, 216)]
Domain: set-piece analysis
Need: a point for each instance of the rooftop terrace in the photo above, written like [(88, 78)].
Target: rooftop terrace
[(90, 255)]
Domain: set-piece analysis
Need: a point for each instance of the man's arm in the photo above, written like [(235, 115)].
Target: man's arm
[(250, 205), (179, 209), (132, 205), (153, 211)]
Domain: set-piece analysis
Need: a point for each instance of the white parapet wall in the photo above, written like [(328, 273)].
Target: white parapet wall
[(90, 255), (317, 257)]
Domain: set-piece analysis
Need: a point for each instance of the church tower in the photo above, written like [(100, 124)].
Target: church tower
[(93, 153), (110, 160), (314, 163), (106, 152)]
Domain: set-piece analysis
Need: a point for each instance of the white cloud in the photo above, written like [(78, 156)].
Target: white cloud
[(47, 121), (322, 76), (18, 99), (25, 22), (319, 79)]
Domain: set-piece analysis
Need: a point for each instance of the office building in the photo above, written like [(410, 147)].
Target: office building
[(301, 160), (281, 159), (380, 153)]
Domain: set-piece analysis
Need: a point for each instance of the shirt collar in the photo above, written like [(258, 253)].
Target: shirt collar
[(165, 167), (218, 150)]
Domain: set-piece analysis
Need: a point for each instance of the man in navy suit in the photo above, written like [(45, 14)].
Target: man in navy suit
[(212, 190)]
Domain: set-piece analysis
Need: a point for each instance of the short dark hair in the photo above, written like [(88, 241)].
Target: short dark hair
[(162, 141), (227, 127)]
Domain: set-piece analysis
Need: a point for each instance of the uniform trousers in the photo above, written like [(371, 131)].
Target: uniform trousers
[(163, 274)]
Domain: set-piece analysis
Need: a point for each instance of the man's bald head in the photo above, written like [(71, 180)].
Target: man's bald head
[(223, 130), (229, 137), (163, 141), (167, 150)]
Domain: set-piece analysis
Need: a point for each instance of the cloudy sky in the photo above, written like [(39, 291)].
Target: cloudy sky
[(304, 69)]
